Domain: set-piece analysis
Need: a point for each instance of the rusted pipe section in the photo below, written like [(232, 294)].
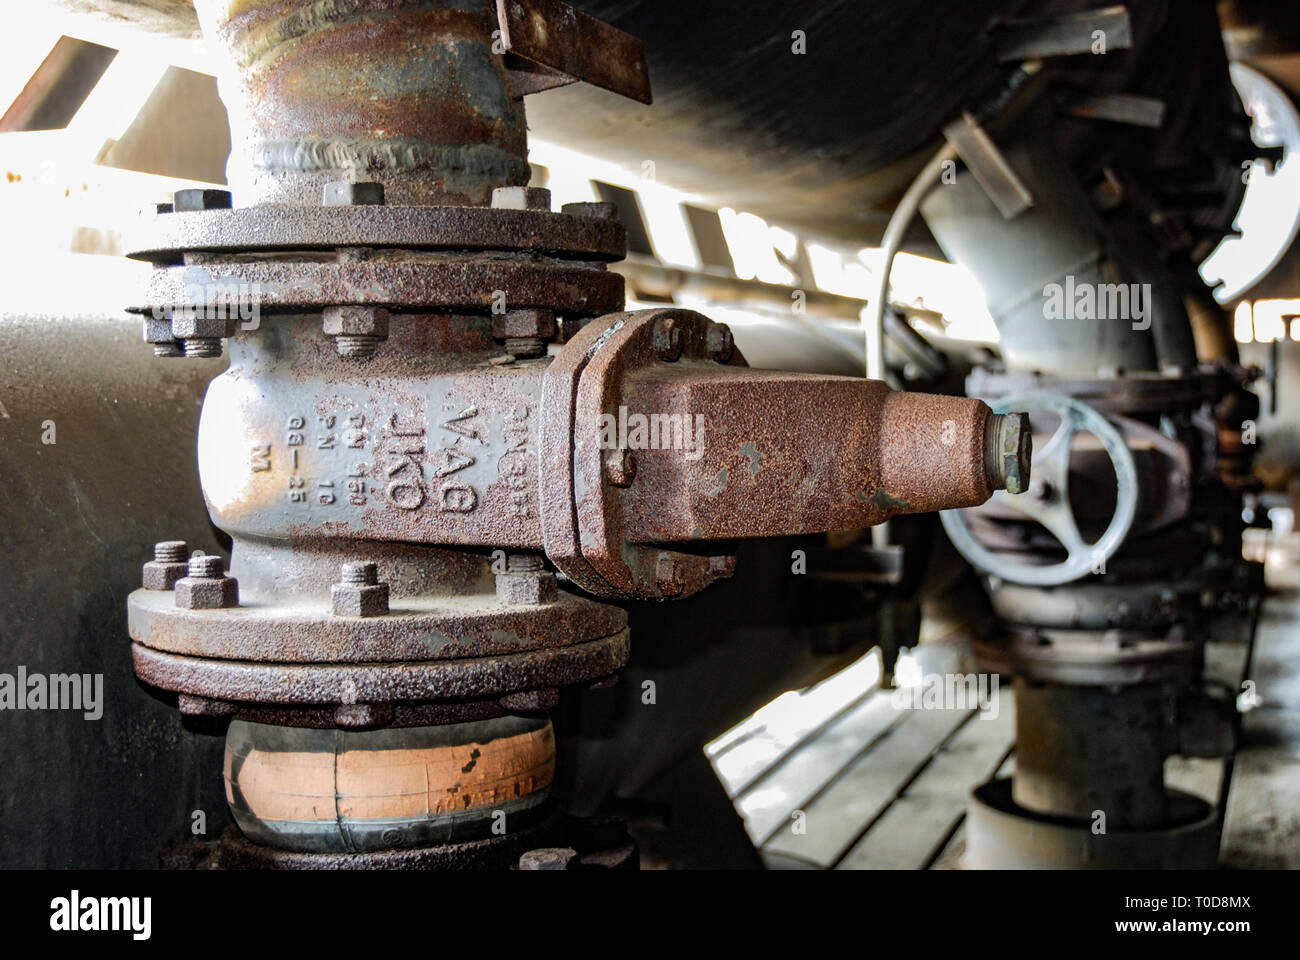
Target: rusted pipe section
[(406, 93)]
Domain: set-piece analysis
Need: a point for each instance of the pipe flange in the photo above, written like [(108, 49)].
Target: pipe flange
[(418, 628), (1001, 835), (431, 282), (162, 238), (281, 685), (1113, 657)]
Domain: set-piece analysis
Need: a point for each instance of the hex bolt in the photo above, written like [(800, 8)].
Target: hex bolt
[(620, 467), (667, 339), (719, 342), (184, 201), (526, 581), (206, 587), (600, 211), (355, 330), (668, 575), (342, 193), (359, 592), (158, 333), (167, 566), (525, 332), (548, 858), (1008, 448), (521, 198)]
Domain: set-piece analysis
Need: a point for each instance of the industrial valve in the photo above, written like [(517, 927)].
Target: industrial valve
[(439, 398)]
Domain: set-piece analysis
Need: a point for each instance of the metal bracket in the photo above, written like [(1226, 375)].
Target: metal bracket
[(550, 44), (1065, 35), (987, 164)]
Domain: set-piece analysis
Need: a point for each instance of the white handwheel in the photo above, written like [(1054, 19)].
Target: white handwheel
[(1050, 474)]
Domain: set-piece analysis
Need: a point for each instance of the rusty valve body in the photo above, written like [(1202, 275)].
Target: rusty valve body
[(393, 519)]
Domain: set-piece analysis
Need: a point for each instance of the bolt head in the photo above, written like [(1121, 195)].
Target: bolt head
[(163, 575), (207, 593), (668, 575), (521, 198), (354, 321), (620, 467), (158, 329), (195, 325), (532, 588), (524, 323), (667, 339), (359, 599), (720, 342), (341, 193), (188, 200)]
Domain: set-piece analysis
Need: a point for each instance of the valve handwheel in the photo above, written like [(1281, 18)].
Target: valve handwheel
[(1048, 498)]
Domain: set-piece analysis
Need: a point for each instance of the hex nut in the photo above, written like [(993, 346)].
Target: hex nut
[(668, 575), (667, 339), (720, 342), (530, 587), (524, 323), (169, 564), (1008, 451), (196, 325), (620, 467), (200, 199), (207, 593), (342, 193), (158, 329), (359, 599), (521, 198), (352, 321)]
